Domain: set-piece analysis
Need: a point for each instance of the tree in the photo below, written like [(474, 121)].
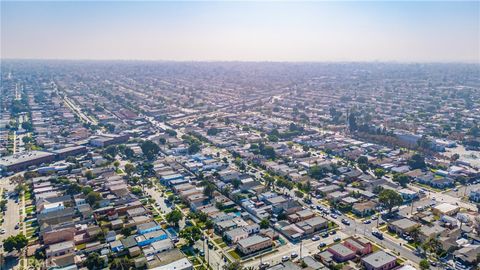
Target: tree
[(93, 197), (86, 190), (269, 181), (137, 190), (126, 231), (174, 217), (27, 140), (209, 224), (193, 148), (264, 223), (89, 174), (379, 172), (27, 126), (317, 172), (390, 199), (212, 131), (122, 264), (116, 164), (362, 160), (209, 189), (267, 151), (16, 242), (94, 261), (149, 149), (111, 151), (402, 179), (171, 132), (236, 183), (73, 189), (129, 168), (417, 161), (162, 141), (352, 122), (424, 264), (129, 153), (191, 234)]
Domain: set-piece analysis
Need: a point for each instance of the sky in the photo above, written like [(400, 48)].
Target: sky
[(430, 31)]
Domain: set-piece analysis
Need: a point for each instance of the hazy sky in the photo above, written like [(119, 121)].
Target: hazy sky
[(274, 31)]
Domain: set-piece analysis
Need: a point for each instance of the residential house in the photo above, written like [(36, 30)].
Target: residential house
[(253, 244), (60, 249), (403, 225), (379, 260), (151, 237), (363, 209), (341, 253), (360, 246)]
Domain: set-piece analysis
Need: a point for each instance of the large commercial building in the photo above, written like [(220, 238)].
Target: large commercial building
[(22, 161)]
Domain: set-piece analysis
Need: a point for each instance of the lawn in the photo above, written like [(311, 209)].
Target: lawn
[(234, 254), (218, 241), (80, 246), (29, 209)]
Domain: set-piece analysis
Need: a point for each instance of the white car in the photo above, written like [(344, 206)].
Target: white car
[(285, 258)]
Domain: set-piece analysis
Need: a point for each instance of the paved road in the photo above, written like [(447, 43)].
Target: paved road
[(11, 217)]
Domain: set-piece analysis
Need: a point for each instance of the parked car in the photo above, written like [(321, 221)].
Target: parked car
[(322, 244), (346, 222), (263, 266), (368, 221), (294, 255), (285, 258), (333, 232), (337, 239), (315, 238), (377, 234)]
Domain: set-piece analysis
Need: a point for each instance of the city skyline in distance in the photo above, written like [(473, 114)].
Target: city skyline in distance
[(242, 31)]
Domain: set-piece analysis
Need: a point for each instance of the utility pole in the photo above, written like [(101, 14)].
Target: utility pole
[(301, 245)]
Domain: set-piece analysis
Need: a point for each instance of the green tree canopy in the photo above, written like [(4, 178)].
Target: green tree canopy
[(191, 234), (379, 172), (417, 161), (390, 199), (129, 168), (16, 242), (424, 264), (149, 149), (264, 223), (174, 217), (94, 261), (93, 197), (401, 179)]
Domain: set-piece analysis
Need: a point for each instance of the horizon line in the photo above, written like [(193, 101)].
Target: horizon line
[(240, 61)]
